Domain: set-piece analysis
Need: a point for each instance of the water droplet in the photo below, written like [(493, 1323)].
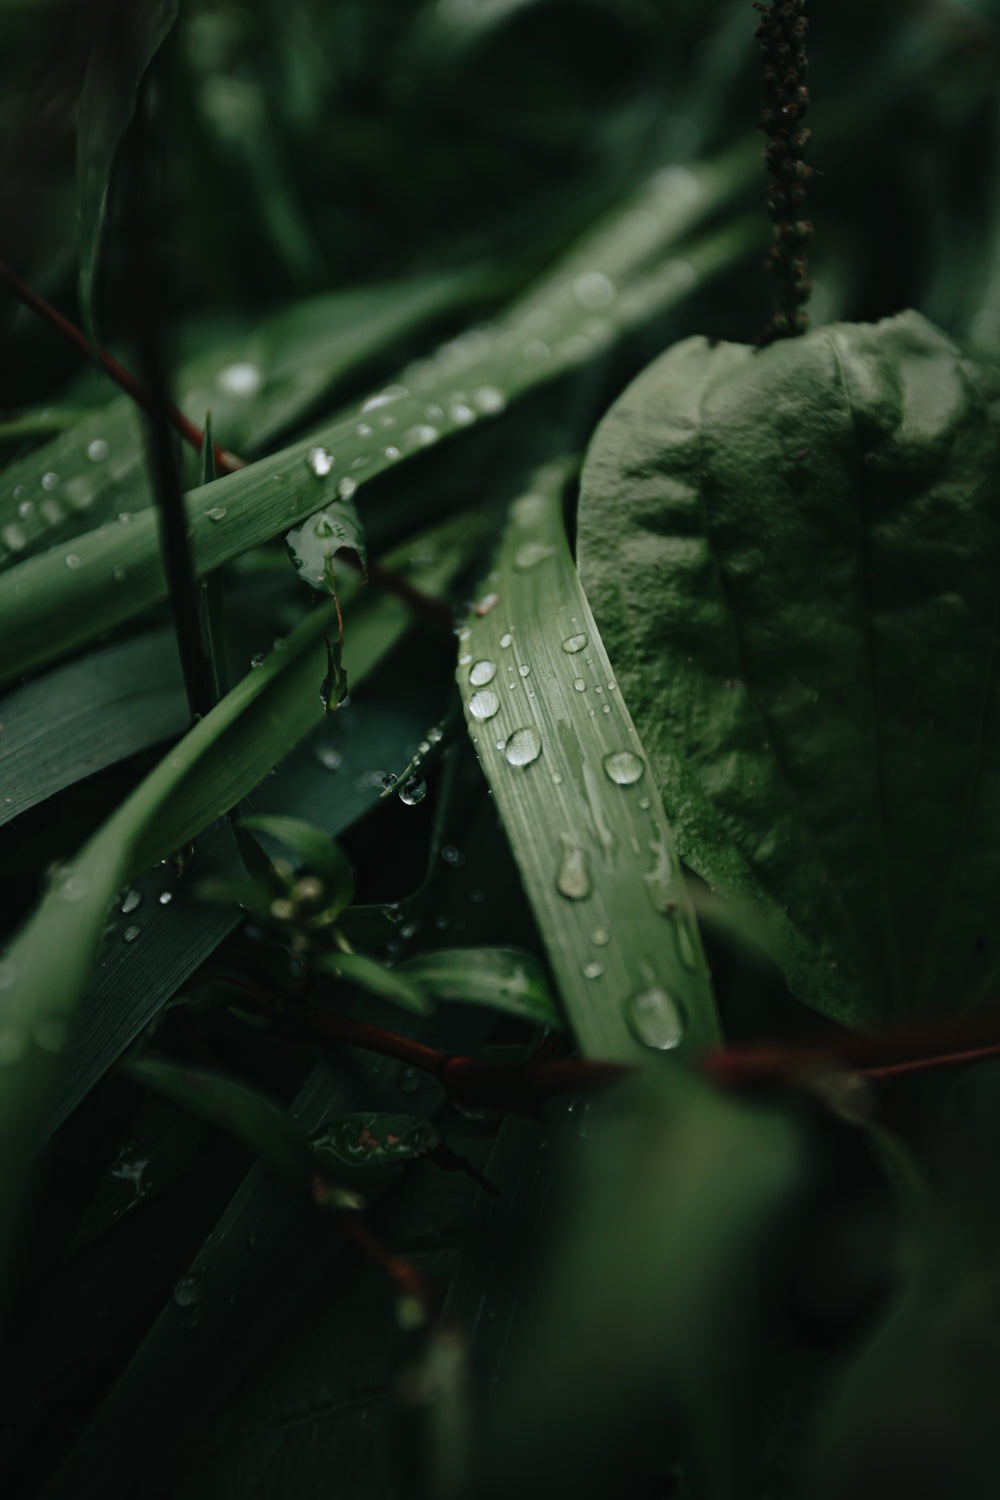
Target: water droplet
[(50, 1034), (166, 897), (593, 290), (389, 779), (364, 430), (130, 934), (655, 1019), (574, 643), (593, 969), (257, 661), (385, 398), (465, 658), (188, 1292), (524, 670), (435, 735), (686, 950), (462, 414), (391, 454), (505, 640), (14, 537), (489, 399), (320, 461), (216, 513), (241, 379), (600, 937), (623, 768), (531, 554), (484, 704), (579, 684), (25, 509), (73, 888), (72, 561), (49, 481), (421, 436), (328, 757), (132, 900), (644, 803), (8, 973), (523, 746), (482, 672), (347, 487), (452, 856), (408, 1081), (414, 790), (573, 880), (487, 603), (97, 450)]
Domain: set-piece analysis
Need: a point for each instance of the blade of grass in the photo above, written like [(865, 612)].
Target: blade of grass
[(61, 599), (45, 972), (570, 782)]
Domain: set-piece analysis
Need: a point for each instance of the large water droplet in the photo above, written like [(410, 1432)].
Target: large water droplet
[(655, 1019), (132, 900), (421, 436), (593, 290), (574, 643), (26, 508), (130, 934), (73, 888), (49, 481), (524, 670), (482, 672), (462, 414), (14, 537), (166, 897), (623, 767), (531, 554), (573, 880), (523, 746), (385, 398), (216, 513), (489, 399), (329, 757), (320, 461), (579, 684), (484, 704), (391, 454), (414, 790), (505, 640), (347, 487), (593, 969), (257, 661), (72, 561), (97, 450), (241, 379)]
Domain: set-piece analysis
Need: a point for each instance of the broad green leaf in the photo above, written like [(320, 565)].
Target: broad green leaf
[(45, 971), (322, 538), (54, 602), (644, 1310), (243, 1113), (123, 50), (316, 850), (376, 978), (569, 777), (369, 1149), (504, 979), (793, 554), (82, 717)]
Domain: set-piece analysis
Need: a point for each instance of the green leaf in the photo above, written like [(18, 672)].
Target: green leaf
[(568, 774), (370, 1149), (643, 1313), (505, 979), (131, 37), (251, 1119), (319, 541), (373, 976), (57, 601), (316, 850), (793, 554)]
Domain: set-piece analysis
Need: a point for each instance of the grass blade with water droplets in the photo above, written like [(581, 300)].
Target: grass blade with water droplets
[(584, 820)]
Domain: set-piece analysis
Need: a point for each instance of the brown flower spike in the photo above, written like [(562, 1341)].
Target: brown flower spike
[(784, 102)]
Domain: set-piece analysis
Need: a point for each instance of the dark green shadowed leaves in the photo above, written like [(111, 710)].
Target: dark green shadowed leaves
[(793, 557)]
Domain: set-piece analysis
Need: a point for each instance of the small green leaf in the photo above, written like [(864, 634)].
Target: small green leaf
[(332, 532), (316, 850), (251, 1119), (793, 556), (504, 979), (130, 39), (373, 976), (370, 1149)]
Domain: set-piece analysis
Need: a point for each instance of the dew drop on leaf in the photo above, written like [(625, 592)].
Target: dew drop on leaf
[(130, 934), (574, 643), (655, 1019), (414, 790), (347, 487), (217, 513), (573, 880), (132, 900), (97, 450), (49, 481), (531, 554), (484, 704), (72, 561), (319, 461), (593, 969), (623, 768), (482, 672), (523, 746)]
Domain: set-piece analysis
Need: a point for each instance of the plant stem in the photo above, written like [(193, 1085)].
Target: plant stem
[(784, 102)]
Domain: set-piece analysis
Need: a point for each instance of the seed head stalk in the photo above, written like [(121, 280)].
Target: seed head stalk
[(784, 102)]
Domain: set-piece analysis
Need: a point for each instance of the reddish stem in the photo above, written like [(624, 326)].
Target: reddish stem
[(921, 1064)]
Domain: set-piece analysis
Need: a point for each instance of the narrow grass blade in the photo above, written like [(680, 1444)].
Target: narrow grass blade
[(376, 978), (63, 598), (584, 819), (131, 38), (504, 979), (45, 971)]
